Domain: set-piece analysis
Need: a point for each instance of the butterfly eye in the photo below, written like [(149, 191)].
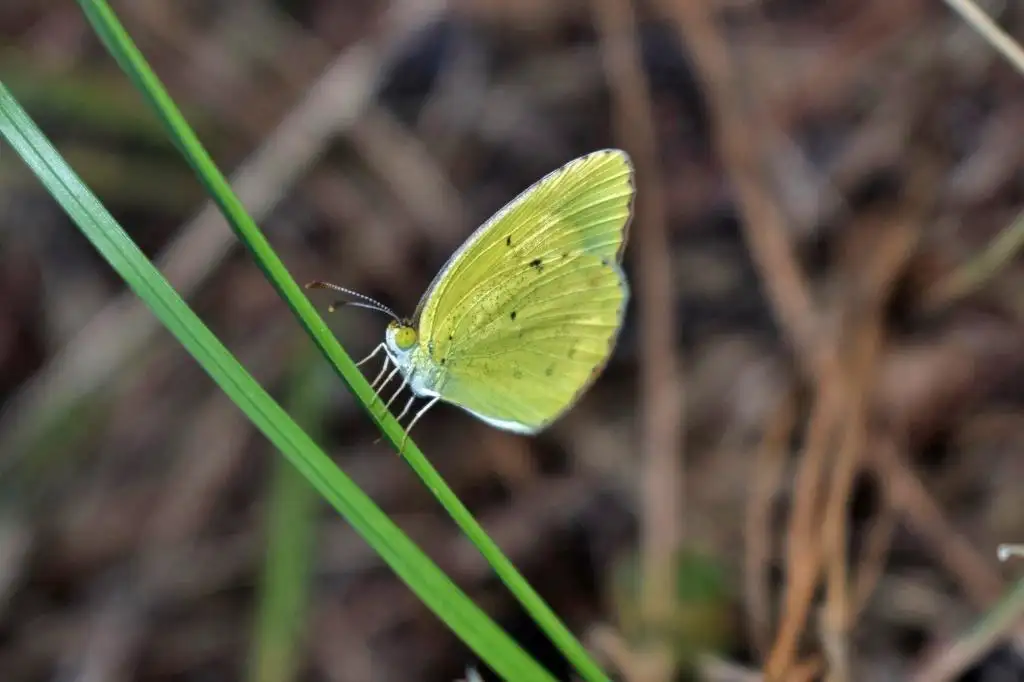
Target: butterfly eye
[(405, 337)]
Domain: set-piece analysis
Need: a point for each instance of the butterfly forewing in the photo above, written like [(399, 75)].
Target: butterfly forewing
[(526, 314)]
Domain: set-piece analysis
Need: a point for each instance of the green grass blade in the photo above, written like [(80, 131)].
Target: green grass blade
[(120, 45), (426, 580), (291, 523)]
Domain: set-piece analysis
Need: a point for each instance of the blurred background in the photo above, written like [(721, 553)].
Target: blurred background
[(800, 460)]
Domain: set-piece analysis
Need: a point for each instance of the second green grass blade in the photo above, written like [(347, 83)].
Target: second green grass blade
[(290, 534)]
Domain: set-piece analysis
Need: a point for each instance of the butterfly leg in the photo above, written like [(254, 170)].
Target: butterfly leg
[(415, 419), (405, 411), (384, 368), (379, 348), (378, 388), (405, 382)]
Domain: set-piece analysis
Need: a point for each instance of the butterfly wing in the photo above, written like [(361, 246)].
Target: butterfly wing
[(525, 315)]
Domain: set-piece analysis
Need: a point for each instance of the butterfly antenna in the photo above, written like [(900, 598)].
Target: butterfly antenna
[(357, 304), (364, 302)]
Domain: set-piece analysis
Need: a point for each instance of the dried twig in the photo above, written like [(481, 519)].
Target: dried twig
[(736, 137), (906, 493), (973, 274), (1007, 551), (765, 483), (898, 236), (661, 393), (763, 225), (803, 546), (953, 661), (995, 36)]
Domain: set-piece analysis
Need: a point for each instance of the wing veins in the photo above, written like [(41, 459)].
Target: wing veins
[(536, 351), (536, 287), (554, 217), (548, 281)]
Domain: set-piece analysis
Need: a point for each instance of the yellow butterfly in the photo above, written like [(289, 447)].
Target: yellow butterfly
[(524, 316)]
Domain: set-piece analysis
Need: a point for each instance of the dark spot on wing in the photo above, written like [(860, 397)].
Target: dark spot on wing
[(537, 263), (565, 254), (549, 371), (444, 360), (513, 315), (604, 261), (517, 373), (451, 336), (508, 240)]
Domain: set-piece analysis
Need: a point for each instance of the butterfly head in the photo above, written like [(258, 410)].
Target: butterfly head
[(400, 343), (400, 336)]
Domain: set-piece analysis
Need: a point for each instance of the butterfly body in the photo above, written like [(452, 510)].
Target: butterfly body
[(423, 377), (525, 314)]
